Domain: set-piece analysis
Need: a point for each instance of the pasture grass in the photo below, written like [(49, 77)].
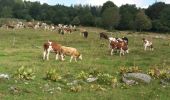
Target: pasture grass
[(24, 47)]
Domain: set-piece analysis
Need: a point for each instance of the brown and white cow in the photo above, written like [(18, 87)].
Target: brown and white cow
[(147, 43), (70, 51), (119, 45), (51, 47)]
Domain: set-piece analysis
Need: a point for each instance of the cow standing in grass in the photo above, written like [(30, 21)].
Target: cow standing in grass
[(51, 47), (103, 35), (85, 34), (122, 46), (70, 51), (147, 44)]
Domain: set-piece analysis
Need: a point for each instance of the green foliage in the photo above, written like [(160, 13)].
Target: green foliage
[(76, 21), (106, 5), (154, 11), (134, 69), (165, 18), (98, 22), (159, 73), (105, 78), (23, 73), (77, 88), (110, 18), (6, 12), (142, 22), (52, 75), (128, 13), (82, 75)]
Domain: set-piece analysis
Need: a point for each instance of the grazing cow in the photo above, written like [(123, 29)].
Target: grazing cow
[(147, 43), (67, 30), (70, 52), (10, 26), (103, 35), (119, 45), (51, 47), (61, 31), (85, 34)]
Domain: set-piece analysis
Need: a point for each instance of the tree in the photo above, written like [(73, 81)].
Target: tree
[(154, 10), (35, 10), (142, 21), (76, 21), (110, 18), (106, 5), (98, 22), (157, 26), (6, 12), (128, 13), (165, 18), (88, 19)]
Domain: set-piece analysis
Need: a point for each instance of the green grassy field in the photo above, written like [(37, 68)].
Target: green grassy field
[(27, 48)]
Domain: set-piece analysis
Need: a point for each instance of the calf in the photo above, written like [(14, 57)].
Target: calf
[(51, 47), (119, 45), (70, 52), (148, 44), (103, 35)]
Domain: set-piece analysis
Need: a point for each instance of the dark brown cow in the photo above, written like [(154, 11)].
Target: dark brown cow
[(51, 47), (10, 26), (85, 34), (103, 35)]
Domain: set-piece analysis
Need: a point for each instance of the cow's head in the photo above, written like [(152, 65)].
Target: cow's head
[(80, 57)]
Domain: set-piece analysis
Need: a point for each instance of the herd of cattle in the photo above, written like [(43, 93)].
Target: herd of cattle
[(115, 44), (62, 29)]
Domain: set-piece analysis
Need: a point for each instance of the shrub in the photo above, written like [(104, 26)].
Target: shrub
[(24, 73), (53, 75)]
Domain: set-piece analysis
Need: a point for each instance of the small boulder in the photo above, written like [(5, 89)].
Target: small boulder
[(138, 77)]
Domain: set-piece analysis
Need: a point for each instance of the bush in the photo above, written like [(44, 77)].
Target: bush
[(52, 75), (24, 73)]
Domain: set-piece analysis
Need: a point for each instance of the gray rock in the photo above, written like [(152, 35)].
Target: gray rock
[(4, 76), (128, 82), (138, 77), (163, 82), (92, 79)]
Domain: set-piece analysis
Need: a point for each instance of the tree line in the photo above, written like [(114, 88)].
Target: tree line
[(126, 17)]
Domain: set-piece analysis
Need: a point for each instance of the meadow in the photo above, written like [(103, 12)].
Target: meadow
[(24, 47)]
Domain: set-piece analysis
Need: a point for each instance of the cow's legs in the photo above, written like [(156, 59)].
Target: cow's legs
[(121, 52), (71, 58), (56, 56), (62, 57), (127, 51), (44, 54), (111, 52), (48, 53), (145, 48), (75, 59)]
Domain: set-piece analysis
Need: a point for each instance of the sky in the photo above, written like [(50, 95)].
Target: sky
[(139, 3)]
